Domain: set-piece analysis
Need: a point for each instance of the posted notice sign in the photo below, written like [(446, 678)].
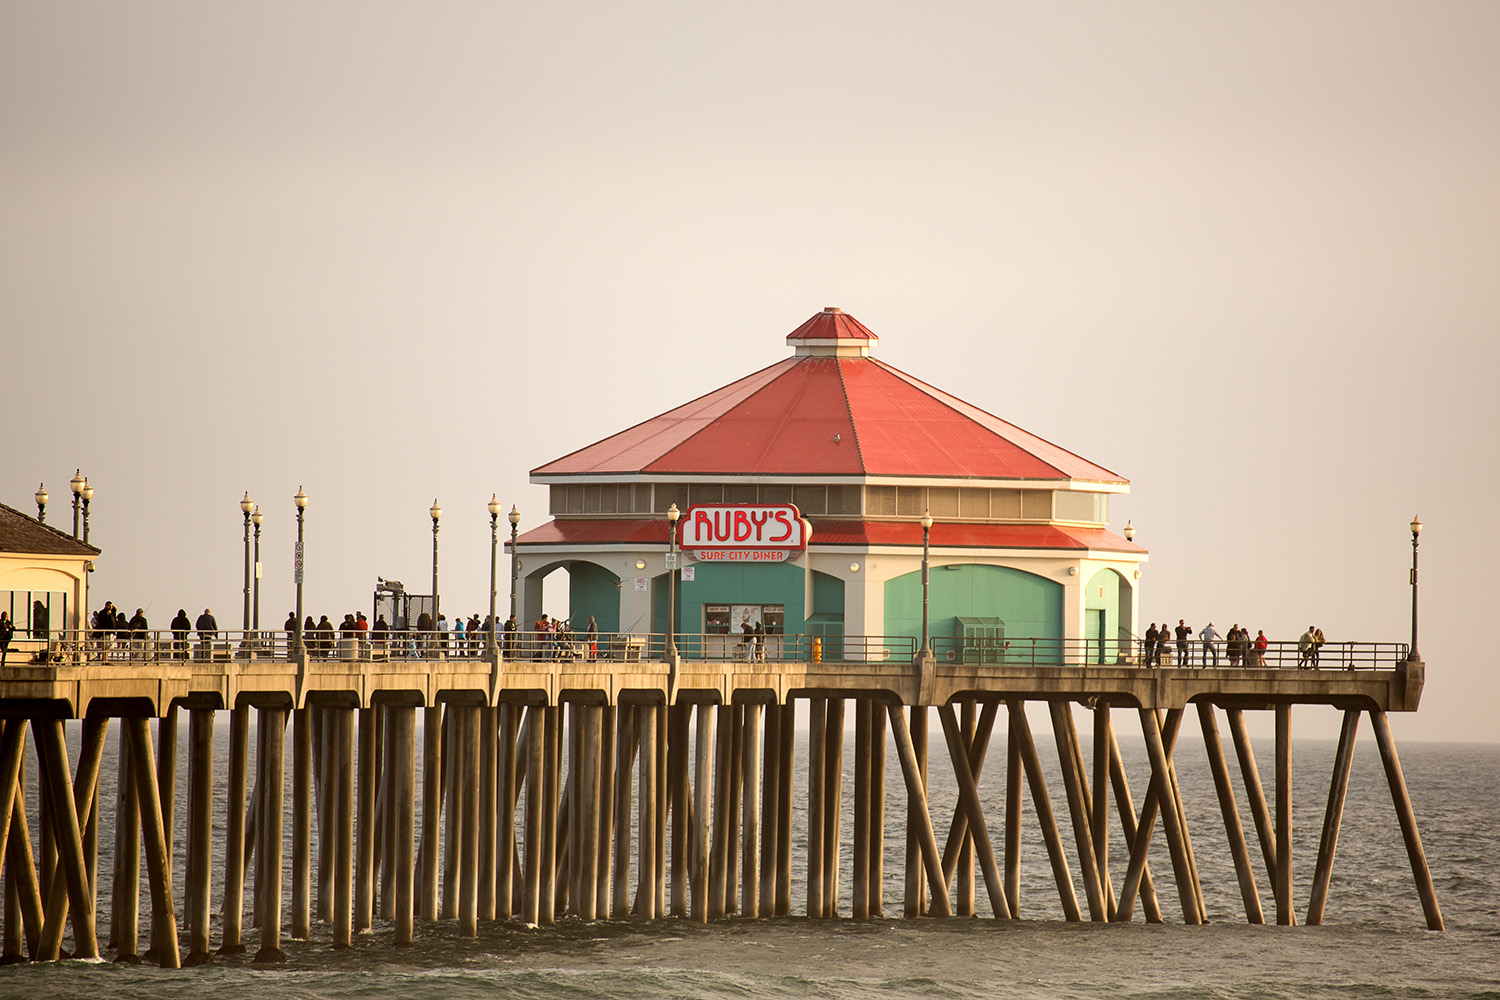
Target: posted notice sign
[(744, 532)]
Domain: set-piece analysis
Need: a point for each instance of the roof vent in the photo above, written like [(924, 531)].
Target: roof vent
[(831, 310)]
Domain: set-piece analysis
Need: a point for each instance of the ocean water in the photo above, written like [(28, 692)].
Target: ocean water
[(1373, 943)]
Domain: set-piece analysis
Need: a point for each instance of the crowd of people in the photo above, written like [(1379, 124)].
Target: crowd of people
[(1239, 648)]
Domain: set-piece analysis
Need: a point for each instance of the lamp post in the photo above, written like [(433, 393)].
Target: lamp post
[(77, 486), (87, 494), (246, 506), (436, 512), (926, 536), (41, 502), (1416, 530), (672, 515), (494, 509), (301, 501), (255, 518), (515, 519)]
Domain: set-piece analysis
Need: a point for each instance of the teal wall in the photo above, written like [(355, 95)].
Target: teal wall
[(735, 583), (828, 595), (1031, 606), (1115, 603), (593, 590)]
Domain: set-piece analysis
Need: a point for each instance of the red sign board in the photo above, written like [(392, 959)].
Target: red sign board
[(744, 532)]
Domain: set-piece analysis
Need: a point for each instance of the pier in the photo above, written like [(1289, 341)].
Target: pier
[(620, 782)]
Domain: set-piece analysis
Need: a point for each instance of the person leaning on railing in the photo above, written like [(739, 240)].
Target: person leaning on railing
[(1208, 636)]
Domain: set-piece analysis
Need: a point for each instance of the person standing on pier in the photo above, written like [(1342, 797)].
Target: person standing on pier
[(208, 629), (1261, 642), (1148, 651), (181, 625), (593, 634), (1318, 640), (760, 641), (1183, 632), (1208, 636), (1305, 649), (7, 632), (138, 630), (509, 648)]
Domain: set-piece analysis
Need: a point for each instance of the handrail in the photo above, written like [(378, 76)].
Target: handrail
[(74, 647)]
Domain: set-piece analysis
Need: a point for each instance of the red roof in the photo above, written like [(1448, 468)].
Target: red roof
[(822, 415), (945, 534), (832, 324)]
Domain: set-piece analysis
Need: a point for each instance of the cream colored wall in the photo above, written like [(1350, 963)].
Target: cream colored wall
[(65, 574)]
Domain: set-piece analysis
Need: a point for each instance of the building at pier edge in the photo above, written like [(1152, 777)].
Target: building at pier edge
[(1020, 544)]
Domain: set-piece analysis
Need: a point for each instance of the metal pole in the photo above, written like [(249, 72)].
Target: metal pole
[(672, 515), (1416, 530), (255, 600), (926, 532), (301, 501), (515, 519), (489, 640), (246, 620), (436, 513)]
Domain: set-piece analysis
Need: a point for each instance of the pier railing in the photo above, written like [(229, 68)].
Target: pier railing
[(1103, 652), (228, 645)]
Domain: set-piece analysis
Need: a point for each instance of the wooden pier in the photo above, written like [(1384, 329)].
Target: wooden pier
[(615, 790)]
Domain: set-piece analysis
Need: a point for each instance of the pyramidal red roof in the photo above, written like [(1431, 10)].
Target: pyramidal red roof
[(832, 324), (828, 413)]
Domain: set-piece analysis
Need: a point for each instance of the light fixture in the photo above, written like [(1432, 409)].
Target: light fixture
[(1416, 525), (494, 506), (41, 503), (854, 567), (1137, 574), (88, 491), (78, 481), (1072, 570), (514, 516), (247, 505), (300, 499), (1129, 531), (435, 510), (640, 564), (256, 516)]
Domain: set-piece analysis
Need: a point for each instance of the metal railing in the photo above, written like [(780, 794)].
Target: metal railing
[(1134, 653), (61, 646)]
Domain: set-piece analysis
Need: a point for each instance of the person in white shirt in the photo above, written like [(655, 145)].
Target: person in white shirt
[(1209, 636)]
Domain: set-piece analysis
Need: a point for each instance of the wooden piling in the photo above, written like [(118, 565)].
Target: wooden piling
[(341, 721), (302, 802), (268, 860), (403, 801), (233, 909), (916, 789)]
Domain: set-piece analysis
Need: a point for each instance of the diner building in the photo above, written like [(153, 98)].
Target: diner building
[(802, 490)]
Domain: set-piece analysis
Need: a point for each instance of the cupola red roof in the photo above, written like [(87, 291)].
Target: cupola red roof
[(828, 413), (832, 324)]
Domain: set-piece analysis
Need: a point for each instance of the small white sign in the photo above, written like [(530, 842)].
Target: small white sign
[(687, 573), (671, 560), (640, 585)]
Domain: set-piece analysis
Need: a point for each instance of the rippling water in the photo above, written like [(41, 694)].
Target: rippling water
[(1372, 945)]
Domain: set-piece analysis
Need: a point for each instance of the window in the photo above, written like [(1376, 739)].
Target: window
[(880, 501), (843, 500), (742, 493), (942, 501), (911, 501), (1036, 505), (811, 500), (1091, 507), (973, 503), (1005, 505), (706, 493)]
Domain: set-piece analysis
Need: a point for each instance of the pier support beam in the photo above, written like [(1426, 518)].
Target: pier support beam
[(1408, 820), (200, 830), (233, 910), (148, 793)]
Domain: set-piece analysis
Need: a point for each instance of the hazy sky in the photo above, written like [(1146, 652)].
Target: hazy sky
[(1247, 256)]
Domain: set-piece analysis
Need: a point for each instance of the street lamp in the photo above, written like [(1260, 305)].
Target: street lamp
[(77, 486), (436, 512), (87, 494), (1416, 530), (246, 506), (1129, 531), (41, 502), (672, 515), (255, 518), (926, 536), (301, 501), (515, 519), (494, 509)]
